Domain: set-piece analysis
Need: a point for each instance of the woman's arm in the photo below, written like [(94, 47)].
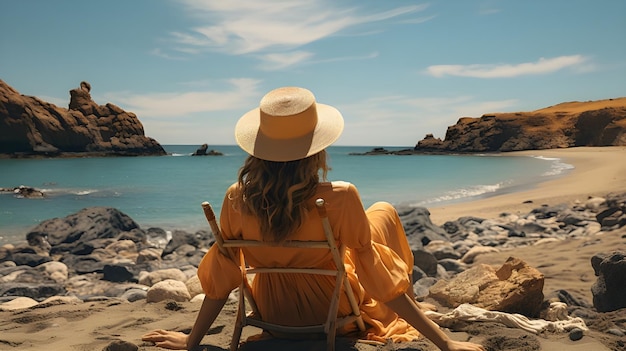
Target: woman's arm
[(410, 312), (173, 340), (209, 311)]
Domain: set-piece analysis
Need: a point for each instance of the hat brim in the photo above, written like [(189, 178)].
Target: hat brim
[(327, 130)]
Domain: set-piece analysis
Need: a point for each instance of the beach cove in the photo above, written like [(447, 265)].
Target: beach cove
[(92, 324)]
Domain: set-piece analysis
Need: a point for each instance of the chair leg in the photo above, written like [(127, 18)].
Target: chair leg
[(234, 342), (330, 339)]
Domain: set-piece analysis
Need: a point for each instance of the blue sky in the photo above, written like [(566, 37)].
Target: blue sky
[(397, 70)]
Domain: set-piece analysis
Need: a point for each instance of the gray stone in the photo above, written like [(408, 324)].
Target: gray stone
[(608, 290), (120, 345), (576, 334)]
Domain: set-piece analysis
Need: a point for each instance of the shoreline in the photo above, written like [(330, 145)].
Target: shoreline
[(597, 171)]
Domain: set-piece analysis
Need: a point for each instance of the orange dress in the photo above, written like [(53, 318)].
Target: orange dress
[(378, 262)]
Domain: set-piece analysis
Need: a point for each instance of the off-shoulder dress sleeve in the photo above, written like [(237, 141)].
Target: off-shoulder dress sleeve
[(219, 274), (381, 271)]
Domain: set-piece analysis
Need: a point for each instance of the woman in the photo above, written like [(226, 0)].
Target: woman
[(273, 200)]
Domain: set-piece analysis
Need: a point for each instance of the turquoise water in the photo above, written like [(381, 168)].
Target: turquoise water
[(166, 191)]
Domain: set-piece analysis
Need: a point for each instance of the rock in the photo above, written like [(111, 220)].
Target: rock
[(120, 345), (198, 298), (32, 127), (616, 332), (418, 226), (181, 238), (57, 271), (86, 225), (425, 261), (594, 203), (612, 213), (564, 125), (421, 288), (117, 273), (34, 291), (164, 274), (149, 255), (608, 290), (576, 334), (465, 286), (567, 298), (18, 303), (202, 151), (29, 259), (470, 255), (24, 192), (193, 286), (452, 265), (132, 295), (518, 290), (168, 290), (442, 250), (60, 300), (514, 288)]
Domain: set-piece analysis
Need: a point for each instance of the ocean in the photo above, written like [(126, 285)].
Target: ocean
[(166, 191)]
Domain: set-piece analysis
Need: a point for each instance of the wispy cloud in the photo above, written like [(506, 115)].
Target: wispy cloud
[(276, 61), (158, 52), (542, 66), (419, 20), (406, 119), (254, 27), (237, 93), (273, 62)]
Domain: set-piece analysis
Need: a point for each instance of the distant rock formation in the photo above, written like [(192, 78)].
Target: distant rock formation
[(32, 127), (570, 124), (24, 192), (202, 151)]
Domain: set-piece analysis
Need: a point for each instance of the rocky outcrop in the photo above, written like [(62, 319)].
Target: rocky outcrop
[(32, 127), (24, 192), (593, 123), (202, 151)]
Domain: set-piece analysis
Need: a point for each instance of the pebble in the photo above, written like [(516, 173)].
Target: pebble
[(616, 331), (121, 345), (576, 334)]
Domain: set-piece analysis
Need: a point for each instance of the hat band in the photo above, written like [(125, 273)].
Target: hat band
[(288, 127)]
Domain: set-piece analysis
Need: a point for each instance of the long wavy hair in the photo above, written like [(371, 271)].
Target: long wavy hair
[(277, 192)]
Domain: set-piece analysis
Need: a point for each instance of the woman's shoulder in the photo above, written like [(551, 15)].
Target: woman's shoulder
[(336, 187), (232, 192)]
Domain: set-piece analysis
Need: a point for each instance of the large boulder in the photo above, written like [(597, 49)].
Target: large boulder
[(608, 290), (30, 126), (515, 287), (85, 226)]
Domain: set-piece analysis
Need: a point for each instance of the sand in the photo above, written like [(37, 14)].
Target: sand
[(598, 171)]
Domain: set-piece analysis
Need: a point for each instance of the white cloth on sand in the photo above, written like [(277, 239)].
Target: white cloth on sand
[(467, 312)]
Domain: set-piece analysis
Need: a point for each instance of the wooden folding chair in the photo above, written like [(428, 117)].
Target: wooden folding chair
[(255, 319)]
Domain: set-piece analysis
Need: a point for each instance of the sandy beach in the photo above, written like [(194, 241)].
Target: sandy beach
[(598, 171)]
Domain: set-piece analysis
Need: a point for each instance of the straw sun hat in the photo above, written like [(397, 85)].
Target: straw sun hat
[(288, 125)]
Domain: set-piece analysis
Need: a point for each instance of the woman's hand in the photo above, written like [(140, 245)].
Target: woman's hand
[(463, 346), (167, 339)]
